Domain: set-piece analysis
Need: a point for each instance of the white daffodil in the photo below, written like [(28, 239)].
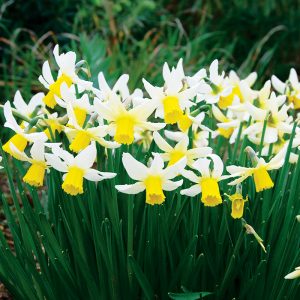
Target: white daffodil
[(76, 168), (154, 179), (27, 109), (66, 74), (123, 123), (291, 88), (36, 172), (278, 120), (21, 137), (171, 100), (219, 86), (81, 106), (294, 274), (240, 87), (259, 170), (207, 182), (180, 150), (81, 137)]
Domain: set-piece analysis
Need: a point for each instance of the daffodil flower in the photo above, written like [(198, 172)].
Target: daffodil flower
[(180, 150), (207, 182), (259, 171), (81, 137), (76, 168), (154, 179), (36, 172), (81, 106), (123, 123), (172, 99), (219, 86), (21, 137), (291, 88), (67, 74), (237, 202), (294, 274), (27, 109), (278, 120), (238, 85)]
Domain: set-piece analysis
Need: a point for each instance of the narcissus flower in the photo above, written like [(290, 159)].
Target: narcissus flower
[(294, 274), (81, 137), (27, 108), (259, 171), (180, 150), (154, 179), (237, 202), (81, 106), (76, 168), (36, 172), (291, 88), (21, 137), (124, 123), (219, 86), (207, 182), (66, 74), (171, 100)]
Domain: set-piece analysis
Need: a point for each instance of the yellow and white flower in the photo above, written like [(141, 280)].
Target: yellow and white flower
[(278, 120), (154, 179), (240, 87), (76, 168), (21, 138), (259, 171), (219, 86), (81, 106), (180, 150), (124, 123), (36, 172), (81, 137), (171, 100), (27, 109), (207, 182), (66, 74), (291, 88)]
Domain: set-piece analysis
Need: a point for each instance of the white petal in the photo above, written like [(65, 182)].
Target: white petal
[(218, 166), (278, 85), (161, 143), (190, 176), (192, 191), (131, 188), (95, 175), (86, 158), (169, 185), (56, 162), (133, 167), (37, 151), (157, 163), (202, 165)]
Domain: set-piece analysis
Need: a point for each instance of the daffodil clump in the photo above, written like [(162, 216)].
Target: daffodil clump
[(171, 138)]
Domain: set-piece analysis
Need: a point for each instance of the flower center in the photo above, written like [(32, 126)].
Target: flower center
[(73, 183), (172, 110), (54, 89), (125, 130), (175, 156), (154, 192), (262, 179), (81, 141), (80, 115), (19, 142), (184, 123), (35, 174), (210, 192)]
